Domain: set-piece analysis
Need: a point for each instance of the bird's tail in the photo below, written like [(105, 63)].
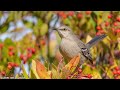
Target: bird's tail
[(95, 40)]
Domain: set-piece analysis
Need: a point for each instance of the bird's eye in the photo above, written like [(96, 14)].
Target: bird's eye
[(64, 29)]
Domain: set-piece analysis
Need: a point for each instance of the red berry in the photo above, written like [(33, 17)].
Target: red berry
[(115, 23), (118, 72), (110, 16), (106, 24), (43, 42), (29, 55), (88, 12), (71, 13), (24, 62), (9, 67), (16, 65), (25, 58), (114, 72), (1, 45), (64, 16), (116, 78), (11, 64), (79, 70), (60, 13), (33, 50), (10, 48), (117, 31), (102, 32), (98, 28), (113, 29), (29, 49), (21, 56), (10, 53), (117, 68), (3, 73), (69, 77), (79, 15), (98, 33), (89, 76), (118, 19)]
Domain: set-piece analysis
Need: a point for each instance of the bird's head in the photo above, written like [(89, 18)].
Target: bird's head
[(63, 31)]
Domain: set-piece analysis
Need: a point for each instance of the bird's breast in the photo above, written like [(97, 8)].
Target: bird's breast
[(69, 48)]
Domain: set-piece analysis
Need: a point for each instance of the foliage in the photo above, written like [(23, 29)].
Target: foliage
[(39, 48)]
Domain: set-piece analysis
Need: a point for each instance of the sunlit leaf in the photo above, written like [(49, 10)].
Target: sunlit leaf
[(24, 73), (44, 29), (32, 75), (71, 66), (33, 70), (41, 70), (88, 38), (16, 76)]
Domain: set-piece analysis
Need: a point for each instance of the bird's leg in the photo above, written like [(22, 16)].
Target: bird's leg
[(61, 64)]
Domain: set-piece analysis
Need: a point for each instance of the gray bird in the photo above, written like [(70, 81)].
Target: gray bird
[(71, 45)]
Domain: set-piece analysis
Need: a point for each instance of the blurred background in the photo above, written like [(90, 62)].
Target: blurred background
[(26, 35)]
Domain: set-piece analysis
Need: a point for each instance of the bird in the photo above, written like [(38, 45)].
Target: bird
[(71, 45)]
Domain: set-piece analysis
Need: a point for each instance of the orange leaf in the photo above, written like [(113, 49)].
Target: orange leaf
[(73, 62), (41, 70), (71, 66)]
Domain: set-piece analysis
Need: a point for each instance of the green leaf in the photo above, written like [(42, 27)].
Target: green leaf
[(94, 16), (8, 42), (16, 76), (67, 21), (44, 29), (24, 73), (29, 24), (4, 29)]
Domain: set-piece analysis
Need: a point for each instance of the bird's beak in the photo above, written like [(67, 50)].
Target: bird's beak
[(54, 28)]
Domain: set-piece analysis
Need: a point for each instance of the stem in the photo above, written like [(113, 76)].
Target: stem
[(48, 38)]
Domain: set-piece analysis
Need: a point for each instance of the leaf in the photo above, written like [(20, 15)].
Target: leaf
[(109, 73), (24, 73), (88, 38), (33, 70), (16, 76), (44, 29), (41, 70), (32, 75), (71, 66), (55, 74), (94, 72), (94, 16), (29, 24)]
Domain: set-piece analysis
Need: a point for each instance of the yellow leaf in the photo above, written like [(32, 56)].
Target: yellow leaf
[(33, 68), (106, 41), (109, 72), (94, 72), (88, 38), (41, 70)]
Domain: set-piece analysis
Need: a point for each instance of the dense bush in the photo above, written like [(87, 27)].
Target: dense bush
[(38, 49)]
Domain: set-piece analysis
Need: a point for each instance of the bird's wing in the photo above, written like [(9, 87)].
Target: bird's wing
[(95, 40), (86, 53), (84, 49)]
